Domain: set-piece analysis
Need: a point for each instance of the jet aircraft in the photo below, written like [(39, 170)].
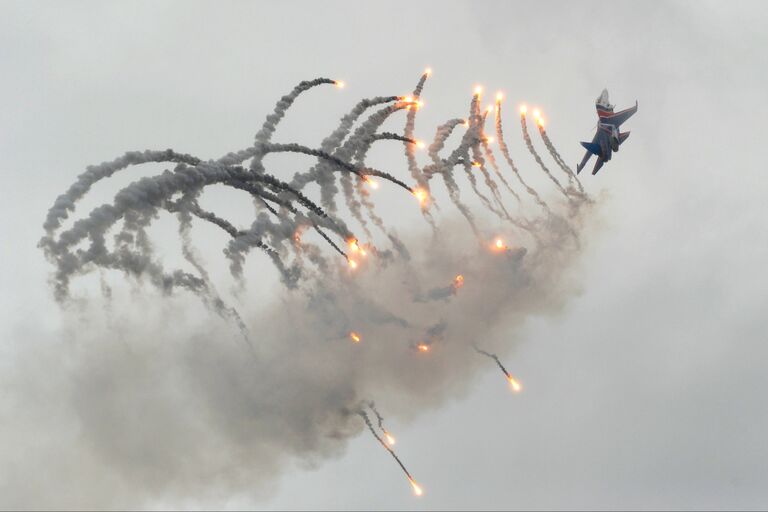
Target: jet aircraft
[(608, 137)]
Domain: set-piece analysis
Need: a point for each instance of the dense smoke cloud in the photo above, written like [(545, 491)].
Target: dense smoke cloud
[(160, 401)]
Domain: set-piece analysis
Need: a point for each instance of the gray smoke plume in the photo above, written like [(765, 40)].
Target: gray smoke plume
[(156, 400)]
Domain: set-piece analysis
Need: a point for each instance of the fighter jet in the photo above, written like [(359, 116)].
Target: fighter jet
[(608, 137)]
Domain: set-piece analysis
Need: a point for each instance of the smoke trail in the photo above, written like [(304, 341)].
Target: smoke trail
[(477, 154), (495, 166), (355, 150), (556, 156), (336, 161), (65, 203), (187, 205), (142, 197), (533, 152), (467, 166), (270, 124), (515, 384), (444, 167), (380, 420), (505, 152), (476, 124), (320, 172), (368, 423), (410, 125)]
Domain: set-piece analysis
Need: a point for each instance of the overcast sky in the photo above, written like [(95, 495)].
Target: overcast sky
[(647, 391)]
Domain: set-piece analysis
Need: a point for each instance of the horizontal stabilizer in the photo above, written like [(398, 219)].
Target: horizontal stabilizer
[(592, 147), (623, 136)]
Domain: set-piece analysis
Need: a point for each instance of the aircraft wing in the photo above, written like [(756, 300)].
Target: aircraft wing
[(619, 117)]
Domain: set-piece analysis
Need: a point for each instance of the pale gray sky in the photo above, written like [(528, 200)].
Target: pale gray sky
[(646, 391)]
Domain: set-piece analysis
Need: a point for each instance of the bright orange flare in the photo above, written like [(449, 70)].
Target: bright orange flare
[(423, 347), (428, 71), (420, 144), (352, 264), (390, 439), (458, 281), (478, 90), (339, 84), (540, 120), (416, 489), (419, 104), (372, 183), (536, 114), (465, 123), (489, 140), (407, 99), (489, 108), (355, 246), (499, 96), (475, 163), (516, 387), (421, 195), (355, 337), (523, 109), (499, 244)]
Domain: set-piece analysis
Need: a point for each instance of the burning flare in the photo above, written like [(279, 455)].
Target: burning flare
[(516, 387), (355, 337), (458, 281), (389, 437), (421, 195), (422, 347), (355, 246), (416, 489), (339, 84), (523, 110)]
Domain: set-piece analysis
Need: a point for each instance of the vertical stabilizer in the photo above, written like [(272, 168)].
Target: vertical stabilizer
[(602, 100)]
